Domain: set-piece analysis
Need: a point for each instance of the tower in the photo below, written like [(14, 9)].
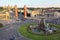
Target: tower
[(8, 8), (16, 12), (25, 11)]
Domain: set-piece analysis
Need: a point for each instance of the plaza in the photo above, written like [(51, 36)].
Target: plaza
[(13, 19)]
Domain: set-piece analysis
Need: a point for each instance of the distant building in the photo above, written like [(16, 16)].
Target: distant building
[(57, 14), (52, 14), (4, 16), (36, 13)]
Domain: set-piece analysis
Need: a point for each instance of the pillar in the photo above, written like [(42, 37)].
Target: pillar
[(25, 11), (8, 8), (16, 12), (7, 16)]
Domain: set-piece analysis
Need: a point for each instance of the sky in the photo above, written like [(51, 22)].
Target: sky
[(31, 3)]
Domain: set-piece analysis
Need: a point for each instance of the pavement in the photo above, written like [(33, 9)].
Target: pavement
[(10, 31)]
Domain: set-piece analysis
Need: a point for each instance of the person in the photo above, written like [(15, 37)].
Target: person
[(12, 38)]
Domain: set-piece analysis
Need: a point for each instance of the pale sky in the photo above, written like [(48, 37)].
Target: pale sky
[(31, 3)]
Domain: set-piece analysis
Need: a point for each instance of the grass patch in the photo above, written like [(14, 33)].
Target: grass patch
[(24, 32)]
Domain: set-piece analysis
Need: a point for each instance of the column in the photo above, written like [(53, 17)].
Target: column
[(25, 11), (16, 12), (8, 8)]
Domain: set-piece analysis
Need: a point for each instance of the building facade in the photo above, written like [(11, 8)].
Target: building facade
[(4, 16)]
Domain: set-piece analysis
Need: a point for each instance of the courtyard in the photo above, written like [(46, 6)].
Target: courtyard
[(16, 27)]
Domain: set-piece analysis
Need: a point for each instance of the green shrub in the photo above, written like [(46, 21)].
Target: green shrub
[(1, 25)]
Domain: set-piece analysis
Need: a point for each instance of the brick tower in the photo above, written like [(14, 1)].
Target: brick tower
[(25, 11), (16, 12)]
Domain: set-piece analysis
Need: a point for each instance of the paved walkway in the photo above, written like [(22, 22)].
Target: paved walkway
[(11, 32)]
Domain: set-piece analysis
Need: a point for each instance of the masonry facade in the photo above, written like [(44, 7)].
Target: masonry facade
[(4, 16)]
